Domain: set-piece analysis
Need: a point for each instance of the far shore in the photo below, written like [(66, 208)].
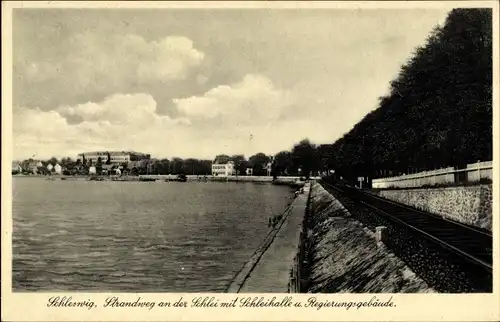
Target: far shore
[(256, 179)]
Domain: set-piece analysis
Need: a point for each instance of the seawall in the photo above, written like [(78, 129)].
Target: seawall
[(291, 181), (340, 255), (258, 179), (268, 268), (470, 205)]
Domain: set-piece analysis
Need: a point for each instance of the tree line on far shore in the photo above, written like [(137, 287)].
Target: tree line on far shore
[(295, 162)]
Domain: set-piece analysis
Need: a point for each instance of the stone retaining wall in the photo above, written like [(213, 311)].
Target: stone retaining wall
[(470, 205)]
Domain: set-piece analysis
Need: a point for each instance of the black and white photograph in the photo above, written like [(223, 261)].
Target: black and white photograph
[(252, 150)]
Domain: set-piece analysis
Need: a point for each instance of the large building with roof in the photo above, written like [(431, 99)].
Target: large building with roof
[(116, 157), (223, 169)]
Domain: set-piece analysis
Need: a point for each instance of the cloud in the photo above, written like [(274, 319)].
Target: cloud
[(244, 117), (251, 100), (119, 109), (274, 76), (250, 116), (167, 59), (119, 122), (89, 62)]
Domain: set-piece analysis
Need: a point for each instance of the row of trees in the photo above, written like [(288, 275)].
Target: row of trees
[(300, 161), (145, 166), (257, 162)]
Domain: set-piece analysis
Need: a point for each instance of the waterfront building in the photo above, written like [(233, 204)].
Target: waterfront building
[(49, 167), (223, 169), (32, 166), (249, 171), (116, 157), (92, 170), (57, 169)]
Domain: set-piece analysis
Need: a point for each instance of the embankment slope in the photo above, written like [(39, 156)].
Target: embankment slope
[(343, 256)]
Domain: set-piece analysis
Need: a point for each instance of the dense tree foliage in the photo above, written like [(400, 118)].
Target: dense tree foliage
[(258, 163), (283, 163), (304, 157), (240, 163)]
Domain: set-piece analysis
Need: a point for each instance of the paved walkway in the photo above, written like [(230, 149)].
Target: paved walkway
[(272, 271)]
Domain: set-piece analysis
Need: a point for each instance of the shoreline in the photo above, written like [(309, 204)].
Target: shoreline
[(293, 181), (268, 269)]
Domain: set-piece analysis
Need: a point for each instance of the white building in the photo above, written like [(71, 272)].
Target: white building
[(49, 167), (226, 169), (92, 170), (57, 169)]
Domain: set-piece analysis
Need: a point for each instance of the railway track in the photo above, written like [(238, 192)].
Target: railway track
[(467, 244)]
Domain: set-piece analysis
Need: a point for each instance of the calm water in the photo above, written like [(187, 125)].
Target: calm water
[(137, 236)]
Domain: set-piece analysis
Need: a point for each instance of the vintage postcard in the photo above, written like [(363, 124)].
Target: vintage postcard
[(243, 161)]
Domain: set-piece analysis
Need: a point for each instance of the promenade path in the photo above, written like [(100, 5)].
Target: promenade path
[(269, 269)]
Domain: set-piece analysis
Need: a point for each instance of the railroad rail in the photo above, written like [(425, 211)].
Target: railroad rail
[(469, 243)]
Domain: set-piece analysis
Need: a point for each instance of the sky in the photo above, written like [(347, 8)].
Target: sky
[(202, 82)]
